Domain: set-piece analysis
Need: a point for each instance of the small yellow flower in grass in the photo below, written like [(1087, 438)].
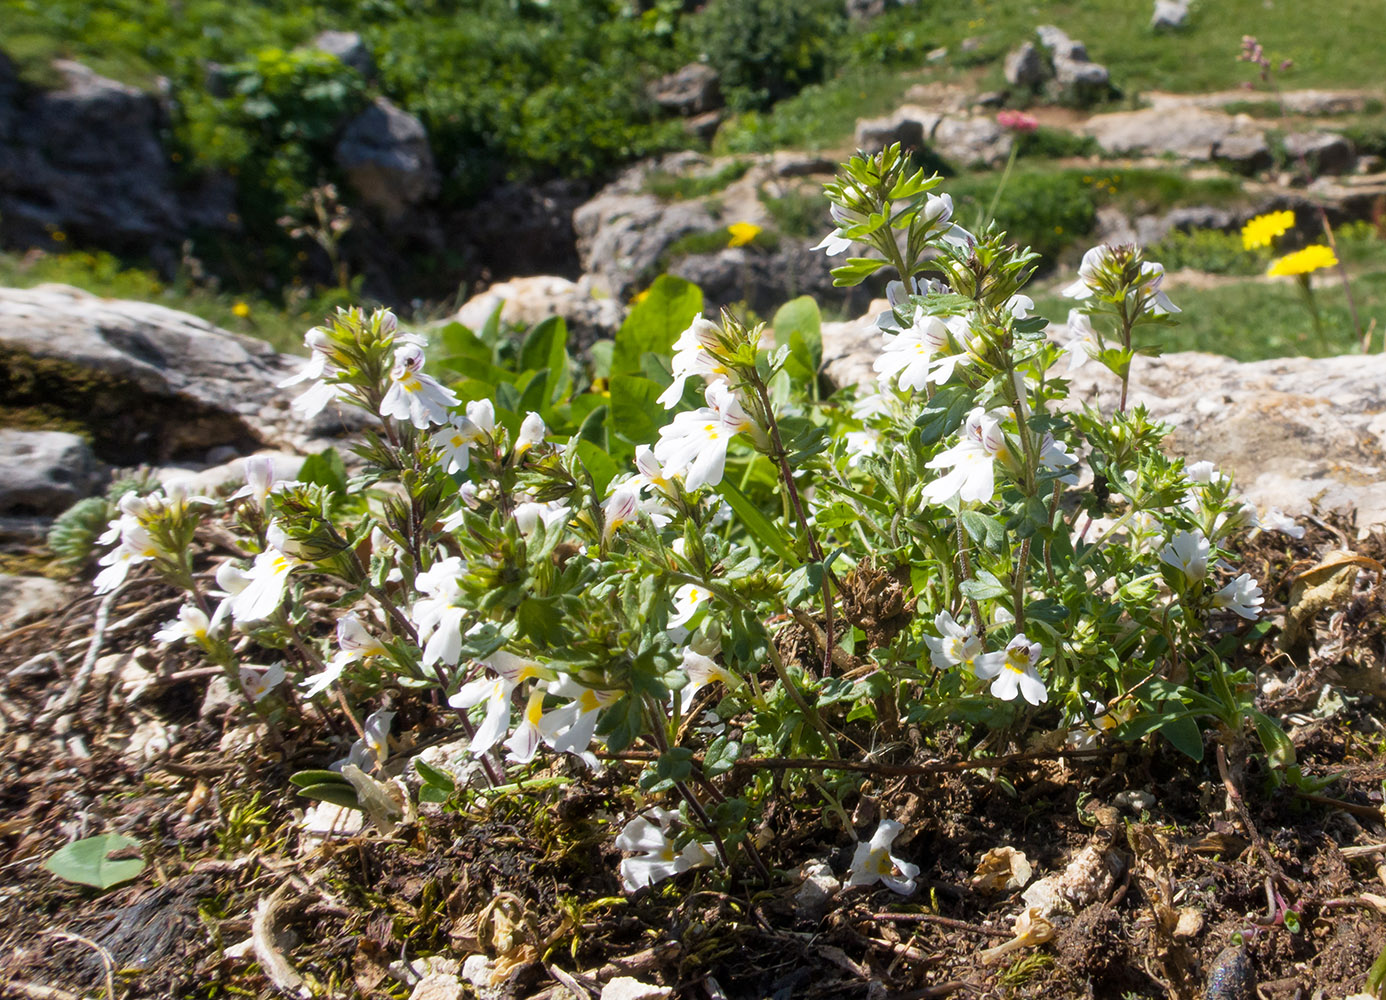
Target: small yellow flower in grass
[(1263, 229), (241, 310), (1311, 258), (742, 233), (639, 297)]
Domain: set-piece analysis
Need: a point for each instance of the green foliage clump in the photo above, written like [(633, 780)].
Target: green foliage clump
[(1207, 250), (1044, 211), (797, 212), (668, 186), (1053, 143), (766, 50)]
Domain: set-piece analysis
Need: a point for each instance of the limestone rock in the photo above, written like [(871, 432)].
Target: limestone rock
[(1292, 431), (24, 597), (528, 301), (1077, 79), (44, 472), (384, 153), (909, 126), (1170, 14), (148, 382), (84, 160), (763, 280), (691, 90), (971, 139), (349, 47), (1026, 67), (1184, 130), (1324, 152)]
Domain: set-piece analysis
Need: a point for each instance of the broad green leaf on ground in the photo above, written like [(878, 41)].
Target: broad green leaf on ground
[(89, 861), (656, 322)]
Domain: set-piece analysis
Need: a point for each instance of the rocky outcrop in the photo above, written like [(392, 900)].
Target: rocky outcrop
[(43, 472), (692, 90), (529, 301), (84, 162), (1169, 15), (1026, 67), (1294, 432), (1076, 78), (1186, 131), (385, 155), (961, 139), (146, 382)]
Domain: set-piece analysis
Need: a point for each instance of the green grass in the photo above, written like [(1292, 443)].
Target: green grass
[(105, 275), (679, 187)]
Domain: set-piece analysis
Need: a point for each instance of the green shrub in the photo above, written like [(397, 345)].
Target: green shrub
[(1207, 250), (1044, 211), (769, 49), (1053, 143), (679, 187)]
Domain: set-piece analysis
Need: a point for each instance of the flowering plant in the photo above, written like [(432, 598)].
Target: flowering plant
[(747, 597)]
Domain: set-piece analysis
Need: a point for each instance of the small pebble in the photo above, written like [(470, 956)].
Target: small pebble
[(1232, 977)]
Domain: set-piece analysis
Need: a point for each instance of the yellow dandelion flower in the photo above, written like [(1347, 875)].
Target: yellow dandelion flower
[(1311, 258), (1260, 231), (742, 233), (639, 297), (241, 310)]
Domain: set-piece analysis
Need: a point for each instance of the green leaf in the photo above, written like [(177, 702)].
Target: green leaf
[(434, 776), (339, 793), (944, 413), (656, 322), (327, 469), (799, 326), (1184, 735), (545, 349), (984, 588), (636, 413), (987, 531), (599, 465), (855, 271), (804, 583), (721, 756), (1279, 748), (760, 526), (456, 340), (306, 779), (88, 861)]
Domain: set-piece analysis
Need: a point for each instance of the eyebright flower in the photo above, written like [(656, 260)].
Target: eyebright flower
[(191, 623), (1262, 230), (955, 645), (695, 443), (532, 431), (837, 242), (702, 670), (1099, 258), (259, 480), (1085, 343), (687, 600), (353, 643), (509, 672), (1242, 596), (910, 354), (530, 514), (414, 396), (1311, 258), (872, 862), (972, 477), (1275, 520), (265, 583), (1187, 552), (570, 728), (258, 682), (693, 356), (1012, 671), (649, 836), (438, 617), (455, 441), (483, 416)]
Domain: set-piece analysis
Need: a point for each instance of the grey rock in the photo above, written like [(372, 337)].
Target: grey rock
[(766, 281), (909, 126), (1182, 130), (228, 475), (705, 125), (966, 140), (350, 48), (1077, 79), (219, 698), (1292, 431), (44, 472), (1170, 14), (690, 90), (936, 55), (1060, 45), (527, 301), (25, 597), (149, 383), (1324, 152), (1026, 67), (384, 153), (84, 160), (525, 228), (1245, 151)]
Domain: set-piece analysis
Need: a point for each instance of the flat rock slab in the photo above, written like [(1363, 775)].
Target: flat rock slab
[(1294, 432), (44, 472), (149, 383)]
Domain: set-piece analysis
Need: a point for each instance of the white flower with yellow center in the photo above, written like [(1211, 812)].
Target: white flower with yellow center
[(258, 682), (971, 460), (687, 600), (955, 645), (532, 431), (354, 643), (438, 617), (910, 356), (570, 728), (659, 857), (1012, 671), (265, 583), (1242, 596), (693, 356), (872, 862), (191, 623), (1187, 552), (694, 445), (414, 396), (495, 689), (454, 443)]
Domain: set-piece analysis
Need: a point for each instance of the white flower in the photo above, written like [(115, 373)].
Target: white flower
[(258, 682), (693, 356), (872, 862), (455, 441), (570, 728), (510, 670), (621, 507), (1187, 552), (1020, 306), (532, 431), (658, 857), (265, 583), (860, 444), (833, 244), (482, 415), (971, 460), (694, 445), (191, 623), (136, 546), (955, 645), (259, 479), (1275, 520), (1098, 258), (414, 396), (909, 355), (1242, 596), (687, 600), (1012, 671), (354, 643), (702, 670), (650, 474), (1054, 456), (530, 514), (1084, 344), (438, 617)]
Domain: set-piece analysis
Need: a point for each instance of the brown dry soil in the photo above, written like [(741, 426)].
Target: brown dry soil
[(532, 879)]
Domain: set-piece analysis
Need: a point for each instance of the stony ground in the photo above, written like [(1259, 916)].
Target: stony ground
[(239, 900)]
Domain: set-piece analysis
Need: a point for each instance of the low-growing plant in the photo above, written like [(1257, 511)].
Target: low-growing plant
[(1208, 250), (669, 186), (779, 584)]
